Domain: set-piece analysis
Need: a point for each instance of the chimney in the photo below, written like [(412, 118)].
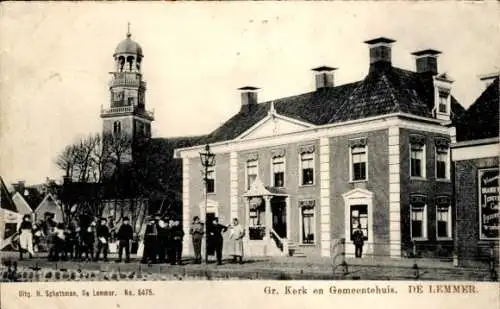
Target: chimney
[(248, 98), (380, 52), (488, 79), (324, 77), (426, 61)]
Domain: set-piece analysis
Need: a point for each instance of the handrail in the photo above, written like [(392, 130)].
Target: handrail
[(277, 239)]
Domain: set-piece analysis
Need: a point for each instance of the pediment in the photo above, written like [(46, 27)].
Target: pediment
[(210, 203), (357, 193), (274, 125)]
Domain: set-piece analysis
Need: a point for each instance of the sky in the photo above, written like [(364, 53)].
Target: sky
[(55, 60)]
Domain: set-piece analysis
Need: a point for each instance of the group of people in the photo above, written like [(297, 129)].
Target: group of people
[(73, 241), (162, 241), (163, 237), (215, 239)]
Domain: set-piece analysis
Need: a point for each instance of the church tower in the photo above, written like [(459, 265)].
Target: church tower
[(127, 116)]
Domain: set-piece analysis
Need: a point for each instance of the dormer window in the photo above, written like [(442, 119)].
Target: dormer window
[(442, 99), (443, 103)]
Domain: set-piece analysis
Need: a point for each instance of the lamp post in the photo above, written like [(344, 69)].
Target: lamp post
[(207, 160)]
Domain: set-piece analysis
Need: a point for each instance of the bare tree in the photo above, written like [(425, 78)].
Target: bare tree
[(101, 157), (119, 147), (66, 160), (103, 182), (85, 161)]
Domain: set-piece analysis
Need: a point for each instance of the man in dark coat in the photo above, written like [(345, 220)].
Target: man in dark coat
[(216, 238), (162, 239), (358, 240), (176, 235), (124, 235), (168, 239), (88, 239), (103, 236), (150, 242)]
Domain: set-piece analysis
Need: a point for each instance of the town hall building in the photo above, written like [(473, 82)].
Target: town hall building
[(302, 172)]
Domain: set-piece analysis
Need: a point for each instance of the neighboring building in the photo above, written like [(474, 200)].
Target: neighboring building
[(476, 159), (21, 204), (27, 195), (49, 204), (302, 172), (9, 217)]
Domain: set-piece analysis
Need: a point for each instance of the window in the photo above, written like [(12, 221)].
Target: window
[(442, 158), (417, 163), (359, 216), (257, 216), (443, 99), (358, 163), (307, 167), (130, 101), (443, 218), (308, 224), (117, 127), (278, 171), (418, 217), (211, 179), (442, 163), (443, 103), (256, 219), (252, 172)]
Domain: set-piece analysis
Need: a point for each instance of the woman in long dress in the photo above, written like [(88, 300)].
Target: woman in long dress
[(236, 235), (26, 237)]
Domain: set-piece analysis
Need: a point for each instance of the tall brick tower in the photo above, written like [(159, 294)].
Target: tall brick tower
[(127, 115)]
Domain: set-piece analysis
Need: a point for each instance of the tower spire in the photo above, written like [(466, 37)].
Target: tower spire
[(128, 30)]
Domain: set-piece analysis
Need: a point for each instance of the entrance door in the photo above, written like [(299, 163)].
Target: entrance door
[(209, 226), (278, 210)]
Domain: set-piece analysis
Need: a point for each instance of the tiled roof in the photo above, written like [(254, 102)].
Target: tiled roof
[(5, 198), (316, 107), (481, 120), (384, 90), (388, 91)]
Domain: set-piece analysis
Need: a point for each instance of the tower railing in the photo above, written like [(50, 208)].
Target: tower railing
[(124, 81), (127, 109), (116, 110)]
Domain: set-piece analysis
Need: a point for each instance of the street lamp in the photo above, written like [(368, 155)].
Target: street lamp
[(207, 160)]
